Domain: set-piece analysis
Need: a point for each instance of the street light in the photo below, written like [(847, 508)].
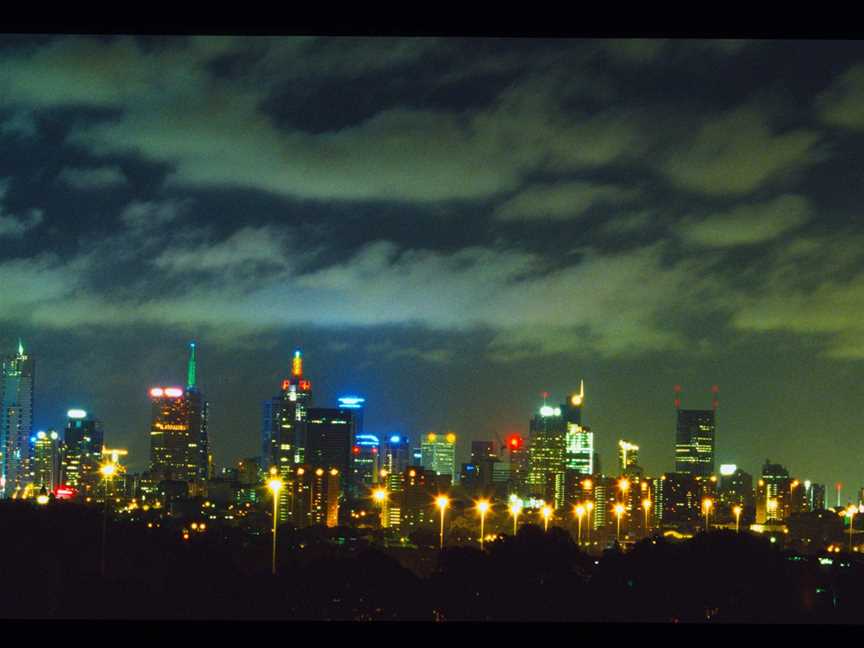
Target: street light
[(482, 509), (707, 503), (515, 510), (107, 471), (580, 511), (380, 496), (850, 513), (623, 486), (646, 506), (442, 502), (737, 511), (275, 485), (589, 506), (619, 511), (547, 513)]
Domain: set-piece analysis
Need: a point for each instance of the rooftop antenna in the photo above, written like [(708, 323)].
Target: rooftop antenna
[(714, 401), (677, 397), (190, 381)]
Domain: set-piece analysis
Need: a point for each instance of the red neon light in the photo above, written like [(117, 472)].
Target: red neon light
[(514, 442), (285, 384), (64, 492), (356, 449), (305, 385), (374, 450)]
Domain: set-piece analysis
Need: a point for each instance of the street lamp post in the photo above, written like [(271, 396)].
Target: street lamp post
[(580, 511), (442, 501), (619, 511), (107, 471), (482, 509), (275, 485), (737, 511), (646, 506), (589, 506), (515, 510), (707, 503), (547, 513), (850, 513)]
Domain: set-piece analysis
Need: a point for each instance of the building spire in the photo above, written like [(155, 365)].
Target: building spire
[(20, 347), (190, 381), (297, 364)]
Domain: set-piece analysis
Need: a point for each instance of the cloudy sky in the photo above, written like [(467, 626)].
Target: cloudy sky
[(447, 226)]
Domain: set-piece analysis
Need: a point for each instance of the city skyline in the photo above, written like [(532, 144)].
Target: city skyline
[(448, 227), (751, 465)]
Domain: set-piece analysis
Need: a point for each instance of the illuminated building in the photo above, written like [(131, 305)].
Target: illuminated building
[(774, 493), (16, 421), (419, 487), (83, 441), (314, 496), (396, 454), (197, 409), (283, 436), (815, 494), (116, 486), (546, 452), (46, 456), (518, 453), (694, 442), (681, 500), (329, 434), (735, 487), (174, 452), (484, 459), (580, 453), (365, 468), (439, 454), (628, 459)]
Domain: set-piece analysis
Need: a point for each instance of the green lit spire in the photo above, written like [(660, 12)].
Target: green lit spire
[(20, 347), (190, 381)]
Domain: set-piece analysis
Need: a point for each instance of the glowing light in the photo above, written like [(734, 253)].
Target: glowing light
[(451, 438), (351, 402), (54, 435), (515, 507), (431, 437), (728, 469), (624, 485), (297, 364), (395, 439), (173, 392), (514, 441), (575, 400), (108, 470), (646, 504), (547, 411), (42, 499), (333, 472), (707, 503), (580, 511), (40, 435), (412, 473), (275, 484), (619, 510), (76, 414), (442, 502), (483, 506), (319, 471), (379, 494), (737, 510), (587, 484)]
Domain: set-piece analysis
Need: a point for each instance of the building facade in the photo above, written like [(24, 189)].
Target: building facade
[(438, 454), (16, 421), (694, 442)]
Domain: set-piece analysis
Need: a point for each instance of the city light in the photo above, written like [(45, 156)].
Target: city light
[(728, 469), (515, 510), (547, 513), (76, 414), (646, 506), (442, 502), (275, 485), (579, 511), (737, 511), (619, 512), (42, 499), (483, 507), (707, 503)]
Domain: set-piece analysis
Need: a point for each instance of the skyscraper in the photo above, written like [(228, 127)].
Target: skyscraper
[(83, 440), (628, 458), (365, 465), (284, 433), (694, 442), (439, 454), (197, 408), (396, 454), (46, 453), (579, 440), (174, 452), (329, 435), (546, 452), (16, 421)]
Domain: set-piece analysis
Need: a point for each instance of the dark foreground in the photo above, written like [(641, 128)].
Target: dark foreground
[(51, 556)]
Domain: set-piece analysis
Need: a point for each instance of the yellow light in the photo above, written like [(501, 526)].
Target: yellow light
[(736, 510), (333, 472), (202, 527), (431, 437), (275, 485), (451, 438), (383, 472), (107, 469), (379, 494), (482, 506), (301, 471), (319, 471), (619, 510), (646, 503), (442, 502), (576, 400), (515, 508), (587, 484), (707, 503), (194, 525), (713, 478), (580, 511), (589, 506), (412, 473), (643, 486), (547, 512), (272, 470), (42, 499)]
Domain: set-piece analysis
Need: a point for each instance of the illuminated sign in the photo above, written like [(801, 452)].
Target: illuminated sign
[(728, 469), (431, 437), (550, 411), (367, 440), (76, 414), (286, 384), (170, 426), (352, 402), (173, 392), (305, 385), (157, 392), (356, 449), (64, 492)]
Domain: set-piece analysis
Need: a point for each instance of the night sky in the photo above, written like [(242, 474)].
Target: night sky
[(448, 227)]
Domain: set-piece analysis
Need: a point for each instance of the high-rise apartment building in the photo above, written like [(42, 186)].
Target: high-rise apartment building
[(83, 440), (16, 421)]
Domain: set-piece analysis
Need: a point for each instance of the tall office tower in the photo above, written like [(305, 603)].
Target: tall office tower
[(16, 421), (396, 454), (197, 406), (580, 453), (694, 442), (439, 454), (284, 432), (518, 463), (605, 496), (483, 456), (547, 447), (815, 494), (628, 458), (365, 466), (773, 493), (681, 495), (83, 441), (46, 453), (174, 452), (735, 488), (329, 435)]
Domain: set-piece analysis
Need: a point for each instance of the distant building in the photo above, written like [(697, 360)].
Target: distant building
[(815, 494), (329, 438), (417, 503), (681, 500), (396, 454), (735, 488), (365, 465), (83, 440), (47, 453), (694, 442), (518, 459), (546, 452), (174, 452), (439, 454), (628, 459), (16, 421), (580, 454), (197, 408), (773, 493)]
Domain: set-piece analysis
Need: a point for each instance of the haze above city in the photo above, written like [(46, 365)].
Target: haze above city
[(447, 227)]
